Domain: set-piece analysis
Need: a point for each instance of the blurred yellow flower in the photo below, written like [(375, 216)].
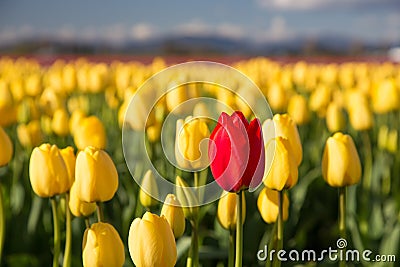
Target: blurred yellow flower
[(102, 246), (226, 212), (268, 205), (340, 162), (335, 120), (6, 148), (47, 171), (173, 212), (385, 97), (298, 109), (90, 132), (96, 177), (148, 190), (30, 135), (60, 122), (151, 242)]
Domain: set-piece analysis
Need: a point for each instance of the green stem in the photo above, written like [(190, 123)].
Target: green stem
[(342, 218), (279, 234), (193, 259), (2, 224), (368, 160), (196, 184), (239, 230), (87, 222), (100, 216), (56, 227), (67, 250), (231, 257)]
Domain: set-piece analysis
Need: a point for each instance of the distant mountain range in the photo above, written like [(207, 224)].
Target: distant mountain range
[(204, 45)]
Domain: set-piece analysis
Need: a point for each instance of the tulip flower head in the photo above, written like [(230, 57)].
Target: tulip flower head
[(173, 212), (151, 242), (96, 175), (268, 205), (77, 207), (47, 171), (148, 190), (226, 213), (102, 246), (6, 148), (340, 162), (236, 152)]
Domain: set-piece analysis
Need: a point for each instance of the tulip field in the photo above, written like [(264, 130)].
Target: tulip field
[(125, 163)]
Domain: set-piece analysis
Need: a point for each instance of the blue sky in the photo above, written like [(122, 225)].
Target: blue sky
[(257, 20)]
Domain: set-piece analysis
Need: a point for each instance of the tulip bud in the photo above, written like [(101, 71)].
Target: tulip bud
[(298, 109), (283, 173), (154, 132), (360, 115), (148, 190), (283, 125), (178, 95), (277, 97), (96, 177), (340, 162), (320, 99), (77, 207), (102, 246), (187, 198), (151, 242), (226, 213), (392, 140), (90, 132), (335, 120), (75, 120), (268, 205), (385, 97), (47, 171), (382, 136), (190, 145), (69, 158), (173, 212), (6, 148), (60, 122), (30, 135)]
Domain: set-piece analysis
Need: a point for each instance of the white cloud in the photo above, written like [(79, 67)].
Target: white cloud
[(278, 30), (317, 4), (143, 31)]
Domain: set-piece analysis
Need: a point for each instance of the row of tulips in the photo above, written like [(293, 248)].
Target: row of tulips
[(53, 104)]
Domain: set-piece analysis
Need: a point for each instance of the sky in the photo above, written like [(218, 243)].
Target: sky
[(255, 20)]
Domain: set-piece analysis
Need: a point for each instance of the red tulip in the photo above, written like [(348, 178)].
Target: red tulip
[(236, 152)]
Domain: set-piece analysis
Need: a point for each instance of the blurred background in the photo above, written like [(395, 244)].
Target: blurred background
[(362, 28)]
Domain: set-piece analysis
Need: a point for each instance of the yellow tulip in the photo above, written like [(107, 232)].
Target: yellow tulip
[(392, 140), (96, 177), (173, 212), (30, 135), (191, 144), (283, 173), (6, 148), (268, 205), (69, 158), (277, 97), (320, 99), (283, 125), (135, 114), (60, 122), (382, 136), (102, 246), (151, 242), (187, 198), (148, 190), (8, 115), (385, 97), (75, 119), (90, 132), (77, 207), (47, 171), (178, 95), (226, 212), (335, 120), (298, 109), (340, 162), (360, 114), (154, 132), (33, 85)]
